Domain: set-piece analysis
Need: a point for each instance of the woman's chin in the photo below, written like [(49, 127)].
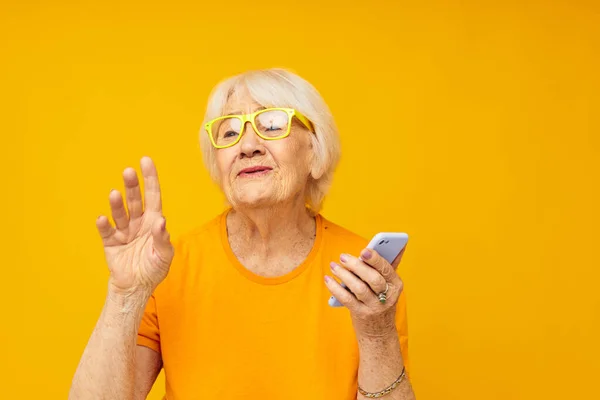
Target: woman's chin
[(254, 197)]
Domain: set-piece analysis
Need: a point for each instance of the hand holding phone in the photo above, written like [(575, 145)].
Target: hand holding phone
[(388, 245)]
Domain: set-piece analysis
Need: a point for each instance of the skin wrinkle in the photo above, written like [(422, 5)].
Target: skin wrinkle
[(264, 242), (271, 237), (270, 232), (277, 87)]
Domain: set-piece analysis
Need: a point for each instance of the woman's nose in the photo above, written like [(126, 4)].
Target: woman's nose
[(250, 143)]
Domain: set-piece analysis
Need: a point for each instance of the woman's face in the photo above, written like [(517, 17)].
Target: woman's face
[(257, 172)]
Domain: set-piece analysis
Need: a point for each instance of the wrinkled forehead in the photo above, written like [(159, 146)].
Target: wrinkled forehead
[(240, 101)]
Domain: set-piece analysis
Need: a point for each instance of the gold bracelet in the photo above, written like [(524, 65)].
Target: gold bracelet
[(386, 390)]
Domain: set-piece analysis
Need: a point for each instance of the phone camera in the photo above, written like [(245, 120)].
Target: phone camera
[(382, 242)]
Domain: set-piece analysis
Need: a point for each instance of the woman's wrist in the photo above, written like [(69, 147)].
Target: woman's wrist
[(381, 327), (381, 362), (127, 302), (389, 335)]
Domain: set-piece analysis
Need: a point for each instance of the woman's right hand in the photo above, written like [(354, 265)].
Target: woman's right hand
[(138, 249)]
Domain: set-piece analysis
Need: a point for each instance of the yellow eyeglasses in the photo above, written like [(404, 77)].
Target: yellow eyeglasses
[(269, 124)]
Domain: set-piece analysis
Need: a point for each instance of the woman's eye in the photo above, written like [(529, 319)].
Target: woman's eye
[(273, 128), (230, 134)]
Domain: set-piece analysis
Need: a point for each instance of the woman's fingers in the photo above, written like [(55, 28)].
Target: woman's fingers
[(118, 211), (374, 259), (347, 299), (151, 186), (372, 277), (104, 228), (135, 204), (359, 287), (162, 241), (133, 194)]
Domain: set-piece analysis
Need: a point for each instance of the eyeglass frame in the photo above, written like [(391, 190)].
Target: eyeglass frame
[(291, 112)]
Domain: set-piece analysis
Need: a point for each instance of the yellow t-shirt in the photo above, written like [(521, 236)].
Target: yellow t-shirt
[(227, 333)]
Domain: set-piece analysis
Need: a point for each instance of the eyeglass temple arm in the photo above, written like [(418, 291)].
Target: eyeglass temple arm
[(305, 121)]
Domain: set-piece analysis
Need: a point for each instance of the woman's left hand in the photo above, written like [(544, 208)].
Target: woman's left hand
[(366, 277)]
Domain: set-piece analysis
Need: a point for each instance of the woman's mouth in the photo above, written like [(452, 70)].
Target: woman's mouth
[(255, 171)]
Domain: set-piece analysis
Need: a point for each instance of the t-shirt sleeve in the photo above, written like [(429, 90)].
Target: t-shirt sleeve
[(148, 333), (402, 327)]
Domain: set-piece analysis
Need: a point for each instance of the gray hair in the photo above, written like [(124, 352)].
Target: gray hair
[(281, 88)]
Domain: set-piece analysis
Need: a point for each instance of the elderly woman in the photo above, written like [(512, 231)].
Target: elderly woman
[(238, 308)]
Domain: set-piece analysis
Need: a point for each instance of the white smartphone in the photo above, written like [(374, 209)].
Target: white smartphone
[(388, 245)]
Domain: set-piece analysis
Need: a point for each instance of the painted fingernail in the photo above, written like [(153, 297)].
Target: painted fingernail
[(327, 279), (366, 254), (344, 257), (333, 265)]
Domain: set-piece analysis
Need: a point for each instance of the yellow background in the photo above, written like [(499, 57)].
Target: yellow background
[(473, 127)]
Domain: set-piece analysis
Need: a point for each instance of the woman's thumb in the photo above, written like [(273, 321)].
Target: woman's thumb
[(162, 240)]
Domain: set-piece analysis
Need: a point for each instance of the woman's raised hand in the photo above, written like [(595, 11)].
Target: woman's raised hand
[(138, 249)]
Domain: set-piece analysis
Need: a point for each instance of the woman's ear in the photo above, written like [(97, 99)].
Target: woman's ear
[(316, 173), (317, 166)]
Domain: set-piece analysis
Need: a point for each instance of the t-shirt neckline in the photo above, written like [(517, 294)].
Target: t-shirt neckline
[(270, 280)]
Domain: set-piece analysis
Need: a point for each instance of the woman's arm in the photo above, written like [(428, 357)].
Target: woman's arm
[(112, 365), (139, 253), (381, 364), (374, 320)]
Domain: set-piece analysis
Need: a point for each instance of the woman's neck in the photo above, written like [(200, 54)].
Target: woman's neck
[(262, 226), (265, 240)]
